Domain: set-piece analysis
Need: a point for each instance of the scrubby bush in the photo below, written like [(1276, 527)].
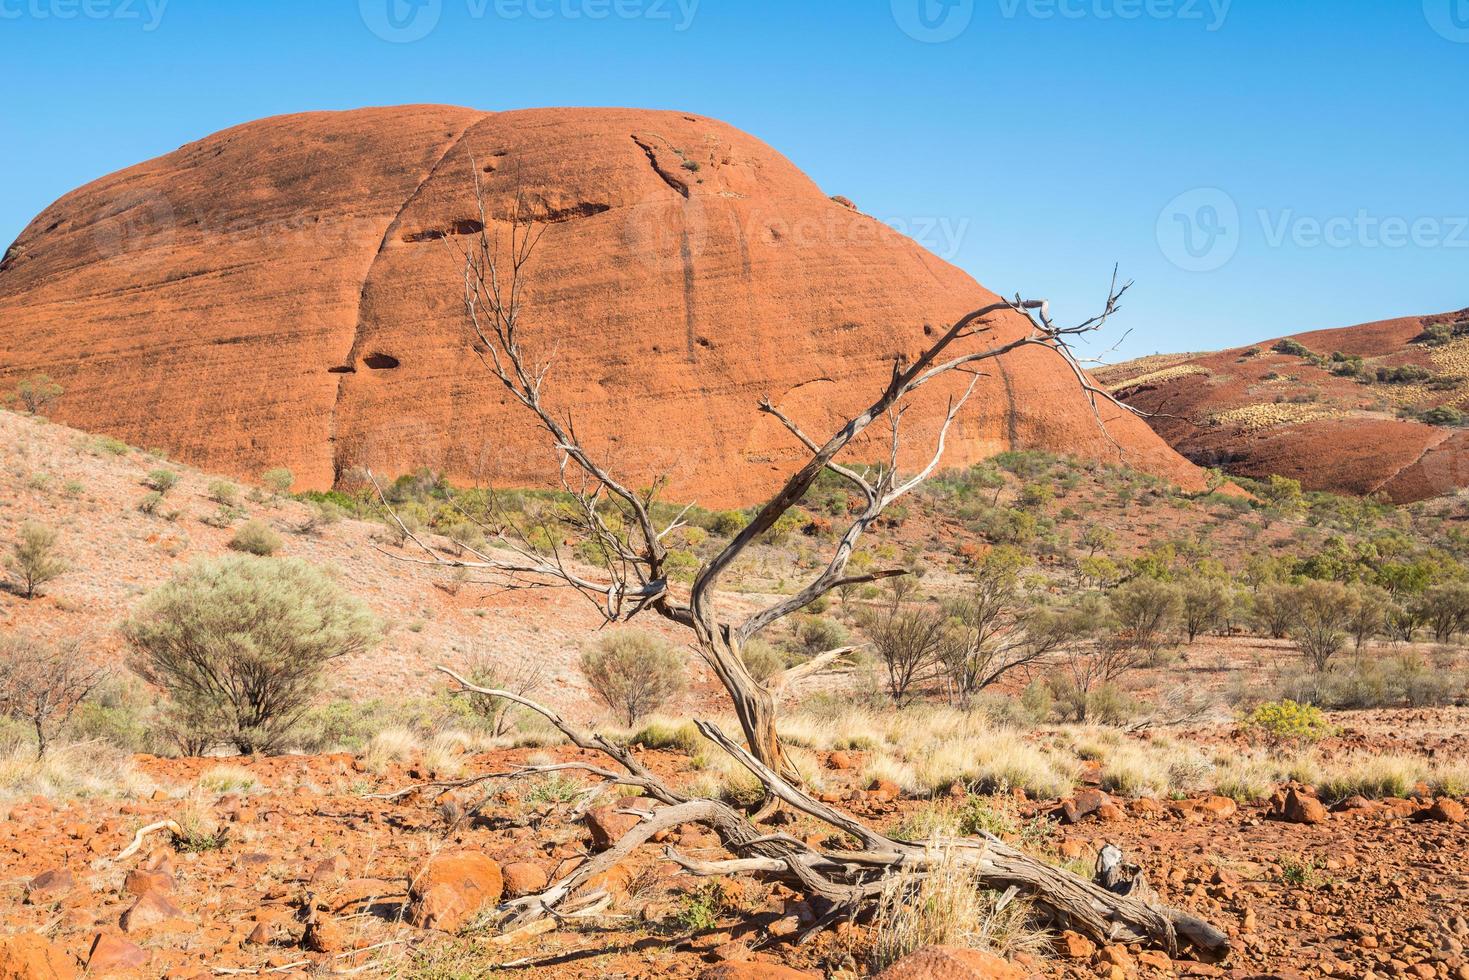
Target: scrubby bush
[(1291, 347), (161, 480), (224, 493), (633, 673), (37, 392), (240, 645), (256, 538), (278, 480), (1288, 723), (35, 558)]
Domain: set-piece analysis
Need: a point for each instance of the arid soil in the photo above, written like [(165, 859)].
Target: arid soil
[(1376, 889), (289, 867), (1255, 412), (289, 293)]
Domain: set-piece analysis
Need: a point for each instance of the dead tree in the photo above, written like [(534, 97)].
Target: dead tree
[(616, 525), (850, 881)]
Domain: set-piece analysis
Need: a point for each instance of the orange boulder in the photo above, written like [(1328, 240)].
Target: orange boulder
[(281, 294), (33, 958), (951, 963), (452, 888)]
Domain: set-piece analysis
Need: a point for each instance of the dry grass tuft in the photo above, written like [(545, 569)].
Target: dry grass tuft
[(88, 769), (947, 906)]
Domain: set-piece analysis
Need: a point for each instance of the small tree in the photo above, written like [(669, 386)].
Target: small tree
[(1145, 611), (1275, 610), (997, 630), (34, 558), (1324, 614), (37, 392), (498, 714), (1444, 609), (911, 641), (1098, 537), (1369, 615), (633, 673), (1205, 602), (240, 644), (42, 685)]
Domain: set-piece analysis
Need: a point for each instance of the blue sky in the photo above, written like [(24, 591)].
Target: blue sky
[(1258, 166)]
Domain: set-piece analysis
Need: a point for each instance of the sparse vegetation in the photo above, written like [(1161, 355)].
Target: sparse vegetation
[(633, 673), (35, 558), (256, 538), (240, 644)]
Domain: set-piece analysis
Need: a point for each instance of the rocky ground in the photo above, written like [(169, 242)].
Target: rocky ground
[(289, 867)]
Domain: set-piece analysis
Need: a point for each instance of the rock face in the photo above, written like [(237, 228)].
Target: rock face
[(288, 293), (1346, 419)]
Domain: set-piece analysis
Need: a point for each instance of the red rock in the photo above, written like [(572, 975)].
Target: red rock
[(951, 963), (452, 888), (1297, 807), (151, 909), (608, 824), (1443, 811), (140, 882), (841, 760), (34, 957), (260, 935), (686, 281), (1075, 946), (49, 886), (1154, 959), (883, 789), (1337, 447), (524, 878), (1086, 803), (753, 971), (326, 935), (113, 954)]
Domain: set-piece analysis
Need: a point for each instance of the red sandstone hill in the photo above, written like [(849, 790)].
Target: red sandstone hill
[(1378, 408), (286, 293)]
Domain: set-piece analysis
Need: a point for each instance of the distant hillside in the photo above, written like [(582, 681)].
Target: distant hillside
[(1380, 408)]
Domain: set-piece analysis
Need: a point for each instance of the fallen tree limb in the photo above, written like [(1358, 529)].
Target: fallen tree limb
[(851, 880), (142, 835)]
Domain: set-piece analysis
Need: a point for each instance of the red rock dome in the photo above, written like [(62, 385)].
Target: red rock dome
[(287, 293)]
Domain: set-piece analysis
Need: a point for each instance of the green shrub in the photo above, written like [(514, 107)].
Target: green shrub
[(256, 538), (240, 645), (35, 558), (37, 392), (162, 480), (633, 673), (1287, 722), (224, 493), (1292, 347), (278, 480)]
